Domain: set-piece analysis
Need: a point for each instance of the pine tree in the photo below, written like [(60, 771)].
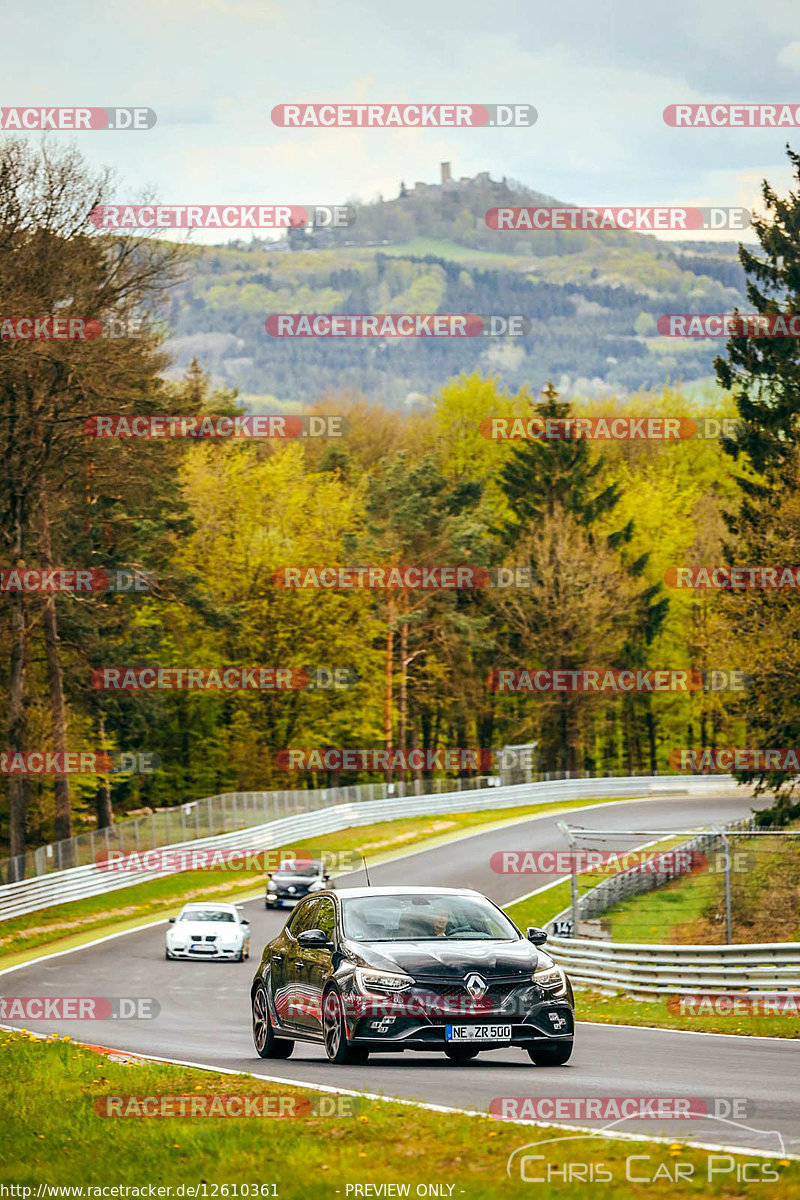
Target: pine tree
[(764, 372)]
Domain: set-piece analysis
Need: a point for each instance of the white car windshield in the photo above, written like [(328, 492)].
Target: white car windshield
[(206, 914), (415, 918)]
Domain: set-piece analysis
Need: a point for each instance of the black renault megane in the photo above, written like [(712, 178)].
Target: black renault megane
[(387, 969)]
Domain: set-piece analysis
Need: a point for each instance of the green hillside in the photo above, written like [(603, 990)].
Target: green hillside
[(593, 299)]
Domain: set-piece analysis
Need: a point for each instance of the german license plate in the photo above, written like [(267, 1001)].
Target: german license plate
[(478, 1033)]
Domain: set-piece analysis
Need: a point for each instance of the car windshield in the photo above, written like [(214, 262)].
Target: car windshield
[(298, 868), (206, 914), (414, 918)]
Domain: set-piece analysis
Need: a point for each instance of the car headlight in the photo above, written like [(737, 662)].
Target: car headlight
[(272, 886), (552, 979), (316, 886), (386, 982)]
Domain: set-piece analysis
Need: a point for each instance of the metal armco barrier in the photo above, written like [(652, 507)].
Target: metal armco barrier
[(78, 883), (645, 968)]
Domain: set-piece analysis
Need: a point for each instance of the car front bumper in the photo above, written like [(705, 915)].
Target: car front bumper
[(200, 950), (548, 1021)]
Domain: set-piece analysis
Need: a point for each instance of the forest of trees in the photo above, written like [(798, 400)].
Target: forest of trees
[(208, 523)]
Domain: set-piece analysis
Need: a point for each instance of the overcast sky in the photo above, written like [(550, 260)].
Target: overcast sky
[(599, 74)]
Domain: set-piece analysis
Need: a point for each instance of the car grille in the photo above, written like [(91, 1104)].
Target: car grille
[(496, 994)]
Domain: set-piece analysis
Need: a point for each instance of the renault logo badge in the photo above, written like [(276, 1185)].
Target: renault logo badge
[(476, 985)]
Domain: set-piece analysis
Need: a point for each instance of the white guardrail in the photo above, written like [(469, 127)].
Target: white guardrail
[(647, 969), (79, 883)]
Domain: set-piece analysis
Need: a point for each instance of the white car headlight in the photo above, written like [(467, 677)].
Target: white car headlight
[(386, 982), (272, 886), (316, 886), (552, 979)]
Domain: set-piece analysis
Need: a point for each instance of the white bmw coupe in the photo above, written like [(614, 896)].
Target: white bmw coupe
[(208, 931)]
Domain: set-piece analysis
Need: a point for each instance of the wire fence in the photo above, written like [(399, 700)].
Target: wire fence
[(736, 884), (208, 817), (230, 811)]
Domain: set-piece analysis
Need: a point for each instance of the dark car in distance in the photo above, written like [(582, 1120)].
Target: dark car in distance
[(388, 969), (293, 880)]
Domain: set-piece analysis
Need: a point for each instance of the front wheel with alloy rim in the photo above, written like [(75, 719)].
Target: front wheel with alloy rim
[(334, 1028), (550, 1054), (267, 1045)]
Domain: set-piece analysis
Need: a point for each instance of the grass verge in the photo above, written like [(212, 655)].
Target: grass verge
[(54, 1136), (691, 910)]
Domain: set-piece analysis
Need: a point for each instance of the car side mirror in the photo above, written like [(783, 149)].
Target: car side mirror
[(243, 922), (537, 936), (326, 877), (313, 938), (172, 920)]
